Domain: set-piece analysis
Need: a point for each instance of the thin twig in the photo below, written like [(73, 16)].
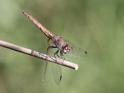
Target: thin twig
[(38, 55)]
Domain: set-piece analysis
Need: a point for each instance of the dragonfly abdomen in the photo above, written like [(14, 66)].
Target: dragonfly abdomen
[(48, 34)]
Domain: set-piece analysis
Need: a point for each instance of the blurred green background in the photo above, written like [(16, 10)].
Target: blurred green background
[(97, 25)]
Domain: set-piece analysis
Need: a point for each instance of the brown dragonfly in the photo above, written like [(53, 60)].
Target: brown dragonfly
[(57, 41)]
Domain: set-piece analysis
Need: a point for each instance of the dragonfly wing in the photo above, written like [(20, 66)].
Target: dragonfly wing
[(57, 73), (76, 53), (44, 70)]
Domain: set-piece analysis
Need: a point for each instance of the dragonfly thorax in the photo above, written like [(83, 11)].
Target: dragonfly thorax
[(61, 44)]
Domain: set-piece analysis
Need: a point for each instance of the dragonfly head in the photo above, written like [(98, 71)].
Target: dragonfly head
[(66, 49)]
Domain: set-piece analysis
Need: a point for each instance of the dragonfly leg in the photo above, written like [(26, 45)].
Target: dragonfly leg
[(59, 54), (62, 56), (56, 53)]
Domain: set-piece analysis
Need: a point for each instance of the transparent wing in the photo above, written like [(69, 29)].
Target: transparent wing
[(76, 51), (57, 73), (44, 71), (51, 70)]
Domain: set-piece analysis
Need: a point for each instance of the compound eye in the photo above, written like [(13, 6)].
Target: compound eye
[(66, 49)]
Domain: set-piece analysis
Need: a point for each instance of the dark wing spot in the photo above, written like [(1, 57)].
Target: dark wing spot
[(60, 78), (85, 52)]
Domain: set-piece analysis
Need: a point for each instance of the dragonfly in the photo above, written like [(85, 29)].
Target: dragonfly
[(57, 41)]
